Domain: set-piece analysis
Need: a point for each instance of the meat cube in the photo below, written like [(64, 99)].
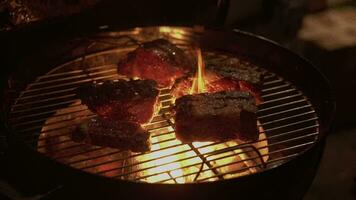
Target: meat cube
[(108, 133), (158, 60), (229, 75), (217, 116), (133, 100), (213, 83), (249, 77)]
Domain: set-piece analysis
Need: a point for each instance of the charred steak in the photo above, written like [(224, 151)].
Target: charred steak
[(158, 60), (133, 100), (109, 133), (230, 75), (249, 77), (217, 116), (213, 83)]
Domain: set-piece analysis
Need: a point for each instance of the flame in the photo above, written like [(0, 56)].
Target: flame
[(180, 163), (198, 85), (166, 166)]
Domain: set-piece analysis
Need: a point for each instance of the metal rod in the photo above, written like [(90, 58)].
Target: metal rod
[(71, 83), (284, 111), (277, 93), (276, 87)]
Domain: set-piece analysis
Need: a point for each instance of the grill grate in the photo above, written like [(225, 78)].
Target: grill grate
[(47, 110)]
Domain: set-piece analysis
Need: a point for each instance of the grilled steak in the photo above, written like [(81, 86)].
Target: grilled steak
[(250, 79), (217, 116), (108, 133), (230, 75), (159, 60), (134, 100), (213, 83)]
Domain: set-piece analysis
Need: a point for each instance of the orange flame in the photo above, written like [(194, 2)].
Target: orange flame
[(198, 85)]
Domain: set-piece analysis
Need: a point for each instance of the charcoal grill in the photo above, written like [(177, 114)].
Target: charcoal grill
[(293, 119)]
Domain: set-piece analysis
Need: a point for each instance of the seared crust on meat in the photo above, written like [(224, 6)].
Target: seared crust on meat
[(133, 100), (249, 76), (108, 133), (217, 116), (158, 60)]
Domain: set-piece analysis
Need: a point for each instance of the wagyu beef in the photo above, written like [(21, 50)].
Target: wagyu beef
[(133, 100), (109, 133), (249, 77), (217, 116), (159, 60)]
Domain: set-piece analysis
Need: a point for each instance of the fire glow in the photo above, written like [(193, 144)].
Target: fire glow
[(197, 159), (198, 85)]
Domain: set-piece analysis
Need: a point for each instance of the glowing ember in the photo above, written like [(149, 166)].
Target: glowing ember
[(183, 164)]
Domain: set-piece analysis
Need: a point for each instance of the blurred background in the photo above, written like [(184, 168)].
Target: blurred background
[(323, 31)]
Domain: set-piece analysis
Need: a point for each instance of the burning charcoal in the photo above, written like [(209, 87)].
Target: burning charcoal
[(217, 116), (108, 133), (159, 60), (134, 100)]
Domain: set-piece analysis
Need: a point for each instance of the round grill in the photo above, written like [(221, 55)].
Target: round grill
[(47, 110)]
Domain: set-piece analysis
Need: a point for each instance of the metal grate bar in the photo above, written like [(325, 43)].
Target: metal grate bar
[(44, 106), (291, 124), (243, 152), (248, 143), (196, 151), (241, 146), (284, 158), (77, 105), (53, 75), (270, 161), (45, 94), (290, 117), (220, 166), (267, 130), (278, 80), (71, 83), (40, 120), (276, 87), (281, 99), (277, 93), (72, 77), (284, 111), (45, 100), (198, 154), (281, 105)]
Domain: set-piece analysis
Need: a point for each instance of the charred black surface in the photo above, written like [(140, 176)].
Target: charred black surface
[(133, 100), (120, 90), (159, 60), (121, 135), (216, 117), (240, 70), (168, 51)]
